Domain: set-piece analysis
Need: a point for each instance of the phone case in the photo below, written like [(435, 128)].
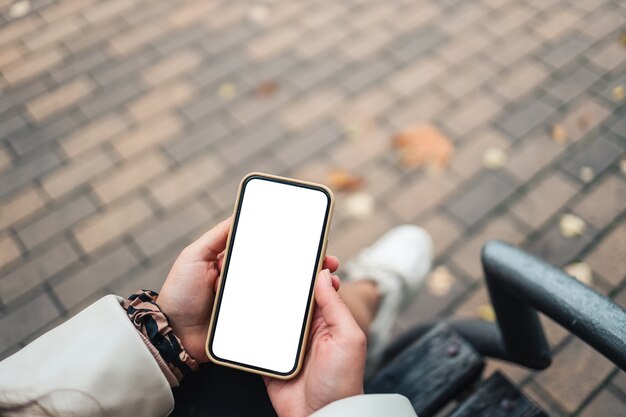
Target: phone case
[(309, 313)]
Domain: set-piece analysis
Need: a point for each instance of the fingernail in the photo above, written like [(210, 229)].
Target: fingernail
[(326, 274)]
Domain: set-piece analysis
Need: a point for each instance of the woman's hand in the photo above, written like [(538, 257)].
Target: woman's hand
[(335, 359), (189, 290)]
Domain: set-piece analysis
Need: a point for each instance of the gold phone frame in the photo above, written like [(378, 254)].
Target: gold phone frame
[(227, 252)]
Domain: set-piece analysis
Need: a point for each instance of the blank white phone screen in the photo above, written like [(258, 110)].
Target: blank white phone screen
[(269, 276)]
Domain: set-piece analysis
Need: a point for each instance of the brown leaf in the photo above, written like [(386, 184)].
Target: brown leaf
[(424, 145), (485, 312), (559, 134), (341, 180), (266, 88), (622, 38), (583, 122), (619, 93)]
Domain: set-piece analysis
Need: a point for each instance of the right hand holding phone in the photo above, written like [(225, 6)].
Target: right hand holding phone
[(335, 360)]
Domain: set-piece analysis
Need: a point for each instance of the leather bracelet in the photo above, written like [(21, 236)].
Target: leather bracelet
[(153, 324)]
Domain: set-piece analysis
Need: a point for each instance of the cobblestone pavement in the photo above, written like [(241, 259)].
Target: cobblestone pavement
[(125, 127)]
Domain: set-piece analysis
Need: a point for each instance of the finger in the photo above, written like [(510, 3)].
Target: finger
[(331, 263), (210, 244), (336, 282), (335, 313)]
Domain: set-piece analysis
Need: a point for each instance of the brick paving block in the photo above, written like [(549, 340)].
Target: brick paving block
[(573, 84), (619, 380), (161, 100), (365, 43), (467, 256), (129, 176), (566, 50), (462, 17), (216, 69), (11, 53), (365, 107), (18, 28), (180, 39), (9, 251), (205, 106), (544, 199), (77, 65), (189, 13), (461, 81), (59, 98), (541, 398), (365, 75), (514, 372), (512, 48), (230, 14), (25, 173), (252, 140), (172, 66), (557, 23), (310, 109), (270, 69), (351, 153), (310, 73), (5, 160), (26, 319), (135, 38), (84, 41), (52, 33), (601, 23), (99, 12), (474, 300), (256, 108), (605, 404), (151, 277), (191, 177), (463, 45), (468, 160), (576, 372), (427, 305), (124, 67), (196, 140), (582, 119), (321, 40), (76, 173), (36, 271), (444, 231), (358, 234), (273, 42), (380, 177), (43, 137), (308, 143), (420, 108), (20, 205), (419, 195), (106, 99), (509, 19), (112, 223), (481, 197), (619, 127), (607, 258), (369, 15), (93, 277), (55, 221), (526, 117), (21, 93), (58, 11), (27, 67), (597, 154), (520, 80), (556, 249), (146, 135), (228, 38), (408, 80), (176, 226), (533, 154), (93, 134), (473, 112), (416, 44), (609, 57), (13, 125), (611, 192)]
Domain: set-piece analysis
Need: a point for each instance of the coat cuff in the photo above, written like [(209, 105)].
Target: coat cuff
[(368, 405)]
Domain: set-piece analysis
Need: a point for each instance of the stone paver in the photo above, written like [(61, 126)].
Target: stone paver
[(125, 130)]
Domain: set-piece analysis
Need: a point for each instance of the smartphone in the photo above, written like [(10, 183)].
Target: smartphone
[(275, 249)]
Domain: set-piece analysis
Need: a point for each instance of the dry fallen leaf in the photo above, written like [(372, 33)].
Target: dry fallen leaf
[(622, 38), (559, 135), (359, 205), (618, 92), (485, 312), (440, 282), (227, 91), (19, 9), (266, 88), (341, 180), (494, 158), (581, 271), (571, 225), (352, 132), (424, 145), (586, 174), (583, 122)]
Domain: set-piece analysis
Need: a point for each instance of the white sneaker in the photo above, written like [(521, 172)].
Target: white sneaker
[(398, 263)]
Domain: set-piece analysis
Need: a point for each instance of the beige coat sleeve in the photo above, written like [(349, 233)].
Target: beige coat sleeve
[(93, 364), (369, 405)]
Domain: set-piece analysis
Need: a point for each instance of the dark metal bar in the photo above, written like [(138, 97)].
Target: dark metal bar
[(520, 284)]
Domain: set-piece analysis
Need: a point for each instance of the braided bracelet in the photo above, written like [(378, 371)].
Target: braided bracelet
[(153, 325)]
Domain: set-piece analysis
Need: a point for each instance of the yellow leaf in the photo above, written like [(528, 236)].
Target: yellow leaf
[(559, 135), (485, 312), (341, 180), (581, 271), (571, 225), (424, 145), (440, 281), (494, 158), (619, 93), (359, 205), (227, 91)]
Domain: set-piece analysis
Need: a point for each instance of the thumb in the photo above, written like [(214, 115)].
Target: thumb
[(333, 309)]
